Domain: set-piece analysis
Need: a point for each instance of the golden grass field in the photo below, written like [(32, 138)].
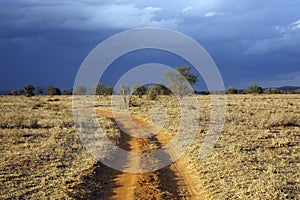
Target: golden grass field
[(256, 157)]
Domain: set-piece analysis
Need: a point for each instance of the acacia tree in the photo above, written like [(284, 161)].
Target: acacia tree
[(29, 90), (182, 81)]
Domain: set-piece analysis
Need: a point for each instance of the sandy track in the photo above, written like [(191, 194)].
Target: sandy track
[(171, 182)]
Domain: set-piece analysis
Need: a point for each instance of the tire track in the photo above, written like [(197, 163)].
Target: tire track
[(171, 182)]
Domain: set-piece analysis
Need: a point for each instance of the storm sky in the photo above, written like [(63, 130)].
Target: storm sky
[(44, 42)]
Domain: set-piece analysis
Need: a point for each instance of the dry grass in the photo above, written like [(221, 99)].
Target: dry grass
[(257, 157), (41, 152)]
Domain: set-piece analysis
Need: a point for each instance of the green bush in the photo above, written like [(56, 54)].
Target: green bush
[(39, 91), (29, 90), (140, 91), (231, 90), (253, 89), (101, 89), (162, 90), (21, 92), (52, 91)]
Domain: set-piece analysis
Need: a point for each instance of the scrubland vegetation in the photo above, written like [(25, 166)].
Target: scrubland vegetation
[(257, 156)]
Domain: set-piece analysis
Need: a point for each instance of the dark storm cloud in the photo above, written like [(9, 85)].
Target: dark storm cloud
[(249, 40)]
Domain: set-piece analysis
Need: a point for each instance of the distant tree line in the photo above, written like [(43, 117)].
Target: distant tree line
[(151, 91), (181, 81), (256, 89), (30, 90)]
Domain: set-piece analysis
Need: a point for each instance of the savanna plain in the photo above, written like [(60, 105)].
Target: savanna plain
[(256, 157)]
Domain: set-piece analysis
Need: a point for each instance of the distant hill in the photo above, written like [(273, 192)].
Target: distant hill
[(285, 89), (289, 88)]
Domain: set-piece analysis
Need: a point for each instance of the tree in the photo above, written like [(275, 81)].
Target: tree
[(162, 90), (185, 71), (21, 92), (231, 90), (52, 91), (101, 89), (253, 89), (181, 83), (140, 90), (39, 91), (65, 92), (80, 90), (29, 90)]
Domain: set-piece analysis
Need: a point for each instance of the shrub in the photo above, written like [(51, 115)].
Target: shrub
[(21, 92), (162, 90), (29, 90), (101, 89), (140, 91), (52, 91), (39, 91), (253, 89), (231, 90), (65, 92)]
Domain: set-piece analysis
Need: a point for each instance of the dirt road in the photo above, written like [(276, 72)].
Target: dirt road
[(171, 182)]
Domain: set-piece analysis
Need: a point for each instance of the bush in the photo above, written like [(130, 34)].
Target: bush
[(65, 92), (140, 91), (231, 90), (101, 89), (39, 91), (29, 90), (162, 90), (21, 92), (253, 89), (52, 91)]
